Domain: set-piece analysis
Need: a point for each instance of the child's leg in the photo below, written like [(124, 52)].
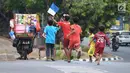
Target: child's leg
[(97, 56), (90, 58), (100, 55), (52, 51), (79, 51), (71, 46), (47, 51), (70, 51), (98, 62), (66, 50)]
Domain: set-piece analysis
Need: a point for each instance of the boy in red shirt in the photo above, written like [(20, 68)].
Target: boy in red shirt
[(101, 40), (74, 37), (65, 26)]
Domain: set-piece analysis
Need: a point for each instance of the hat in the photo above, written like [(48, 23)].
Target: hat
[(66, 15)]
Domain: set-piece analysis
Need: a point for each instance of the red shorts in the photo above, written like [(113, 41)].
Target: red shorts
[(99, 50), (66, 42), (74, 44)]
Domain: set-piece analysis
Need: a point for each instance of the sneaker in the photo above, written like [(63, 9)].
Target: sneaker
[(69, 61), (52, 59), (47, 59), (98, 63)]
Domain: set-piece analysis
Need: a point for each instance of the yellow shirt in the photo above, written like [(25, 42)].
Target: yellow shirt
[(92, 46), (90, 39)]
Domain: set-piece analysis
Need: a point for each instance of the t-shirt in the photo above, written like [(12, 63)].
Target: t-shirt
[(76, 35), (65, 25), (101, 39), (90, 39), (50, 32)]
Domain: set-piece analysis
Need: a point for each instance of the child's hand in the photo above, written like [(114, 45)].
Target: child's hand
[(43, 35)]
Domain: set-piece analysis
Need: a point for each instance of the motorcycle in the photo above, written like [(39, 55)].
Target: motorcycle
[(115, 43), (24, 47)]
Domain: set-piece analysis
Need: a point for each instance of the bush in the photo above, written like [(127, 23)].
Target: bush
[(85, 49), (60, 55)]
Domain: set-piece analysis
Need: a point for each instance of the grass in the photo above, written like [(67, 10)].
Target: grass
[(61, 55)]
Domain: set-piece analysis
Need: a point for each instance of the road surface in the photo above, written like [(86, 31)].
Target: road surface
[(31, 66)]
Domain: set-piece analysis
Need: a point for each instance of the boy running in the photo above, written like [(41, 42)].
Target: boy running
[(92, 45), (50, 33), (74, 37), (101, 40), (65, 26)]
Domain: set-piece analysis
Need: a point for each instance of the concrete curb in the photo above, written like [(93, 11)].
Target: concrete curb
[(7, 57), (116, 58)]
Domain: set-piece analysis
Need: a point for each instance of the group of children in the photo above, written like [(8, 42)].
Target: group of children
[(97, 43), (71, 36), (71, 39)]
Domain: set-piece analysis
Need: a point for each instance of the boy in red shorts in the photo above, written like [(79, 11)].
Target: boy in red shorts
[(101, 40), (74, 37), (65, 26)]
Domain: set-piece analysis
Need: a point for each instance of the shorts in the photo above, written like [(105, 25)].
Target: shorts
[(74, 44), (66, 42), (99, 50)]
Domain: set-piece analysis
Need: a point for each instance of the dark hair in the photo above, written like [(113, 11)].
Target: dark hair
[(50, 22), (91, 30), (114, 35), (66, 18), (102, 28), (75, 19)]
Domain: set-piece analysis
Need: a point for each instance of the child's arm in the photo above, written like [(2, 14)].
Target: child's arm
[(54, 20), (107, 40), (92, 40), (44, 35), (71, 33), (44, 32)]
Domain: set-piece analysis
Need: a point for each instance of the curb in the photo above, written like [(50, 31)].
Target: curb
[(116, 58), (7, 57)]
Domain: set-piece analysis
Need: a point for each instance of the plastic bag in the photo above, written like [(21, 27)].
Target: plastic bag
[(38, 28)]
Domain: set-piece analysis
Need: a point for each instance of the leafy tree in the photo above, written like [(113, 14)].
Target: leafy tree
[(91, 12), (96, 12)]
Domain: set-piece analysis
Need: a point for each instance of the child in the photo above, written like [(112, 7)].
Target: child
[(50, 34), (65, 26), (101, 40), (92, 45), (74, 37)]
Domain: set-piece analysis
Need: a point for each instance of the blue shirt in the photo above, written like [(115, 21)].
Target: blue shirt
[(50, 32)]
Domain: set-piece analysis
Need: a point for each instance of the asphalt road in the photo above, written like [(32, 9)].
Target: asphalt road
[(63, 67), (123, 51), (33, 66)]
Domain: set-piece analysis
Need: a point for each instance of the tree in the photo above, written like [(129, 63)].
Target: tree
[(95, 12)]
